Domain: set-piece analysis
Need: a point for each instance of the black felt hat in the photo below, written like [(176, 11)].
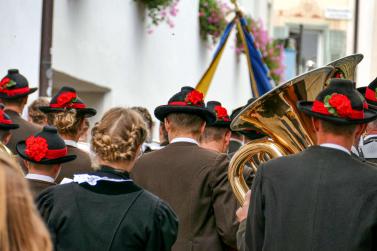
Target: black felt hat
[(6, 122), (188, 100), (251, 133), (370, 94), (222, 118), (45, 148), (339, 103), (66, 98), (14, 85)]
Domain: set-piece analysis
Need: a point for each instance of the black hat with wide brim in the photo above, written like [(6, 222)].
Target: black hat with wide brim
[(370, 94), (75, 103), (251, 133), (6, 122), (222, 118), (189, 101), (345, 88), (14, 85), (54, 143)]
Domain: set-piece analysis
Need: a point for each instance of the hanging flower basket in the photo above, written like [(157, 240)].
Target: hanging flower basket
[(161, 11), (271, 50), (212, 20)]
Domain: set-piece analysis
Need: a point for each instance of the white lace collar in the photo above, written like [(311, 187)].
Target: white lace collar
[(93, 179)]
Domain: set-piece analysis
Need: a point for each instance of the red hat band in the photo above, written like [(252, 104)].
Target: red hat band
[(194, 98), (67, 100), (371, 95), (338, 105), (37, 149), (221, 113)]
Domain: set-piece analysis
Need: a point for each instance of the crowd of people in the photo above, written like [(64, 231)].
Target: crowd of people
[(125, 192)]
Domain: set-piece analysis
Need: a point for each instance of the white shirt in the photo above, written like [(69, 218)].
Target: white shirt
[(33, 176), (337, 147), (69, 142), (183, 139)]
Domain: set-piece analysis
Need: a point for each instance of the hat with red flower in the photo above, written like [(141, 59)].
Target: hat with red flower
[(252, 132), (222, 117), (45, 148), (14, 85), (6, 122), (370, 93), (67, 98), (339, 103), (188, 100)]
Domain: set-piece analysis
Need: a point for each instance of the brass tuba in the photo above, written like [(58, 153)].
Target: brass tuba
[(275, 113)]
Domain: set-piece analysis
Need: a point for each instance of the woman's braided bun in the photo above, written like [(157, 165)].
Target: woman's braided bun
[(118, 135), (67, 122)]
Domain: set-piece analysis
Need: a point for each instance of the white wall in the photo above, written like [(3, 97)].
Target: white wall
[(107, 44), (20, 30), (367, 40)]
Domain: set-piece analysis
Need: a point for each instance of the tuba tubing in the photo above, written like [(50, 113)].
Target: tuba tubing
[(242, 156)]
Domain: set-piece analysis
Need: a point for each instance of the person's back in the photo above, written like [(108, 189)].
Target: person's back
[(318, 200), (116, 222), (193, 181), (82, 164), (105, 209)]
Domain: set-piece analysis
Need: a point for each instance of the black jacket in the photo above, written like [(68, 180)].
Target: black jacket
[(320, 199), (107, 216)]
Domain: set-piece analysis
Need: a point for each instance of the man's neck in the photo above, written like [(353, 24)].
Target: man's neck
[(183, 135), (14, 108), (40, 172), (346, 143), (212, 145)]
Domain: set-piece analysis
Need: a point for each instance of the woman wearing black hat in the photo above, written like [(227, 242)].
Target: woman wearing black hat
[(105, 209), (43, 154), (68, 114)]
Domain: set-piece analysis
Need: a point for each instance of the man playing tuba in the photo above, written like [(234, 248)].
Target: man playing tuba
[(322, 198)]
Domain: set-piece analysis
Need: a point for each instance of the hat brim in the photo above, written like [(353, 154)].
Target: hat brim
[(31, 90), (252, 134), (162, 111), (371, 104), (306, 107), (8, 126), (222, 124), (21, 146), (87, 112)]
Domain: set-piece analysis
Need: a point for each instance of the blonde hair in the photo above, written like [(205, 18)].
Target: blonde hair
[(67, 122), (36, 115), (118, 135), (21, 227)]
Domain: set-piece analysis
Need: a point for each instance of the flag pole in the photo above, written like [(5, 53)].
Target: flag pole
[(253, 83)]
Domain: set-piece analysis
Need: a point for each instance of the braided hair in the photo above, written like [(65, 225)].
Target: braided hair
[(118, 135)]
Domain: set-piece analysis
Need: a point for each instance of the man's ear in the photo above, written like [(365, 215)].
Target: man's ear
[(203, 127), (167, 123), (26, 164), (6, 138), (315, 124), (360, 129)]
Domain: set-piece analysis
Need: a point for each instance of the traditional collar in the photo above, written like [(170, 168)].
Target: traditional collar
[(69, 142), (34, 176), (105, 173), (337, 147), (184, 139)]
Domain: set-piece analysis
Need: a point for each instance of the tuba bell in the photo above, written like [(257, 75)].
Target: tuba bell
[(276, 115)]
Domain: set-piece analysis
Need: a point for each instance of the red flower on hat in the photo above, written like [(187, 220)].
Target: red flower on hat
[(66, 99), (338, 105), (221, 113), (36, 148), (6, 83), (194, 98)]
